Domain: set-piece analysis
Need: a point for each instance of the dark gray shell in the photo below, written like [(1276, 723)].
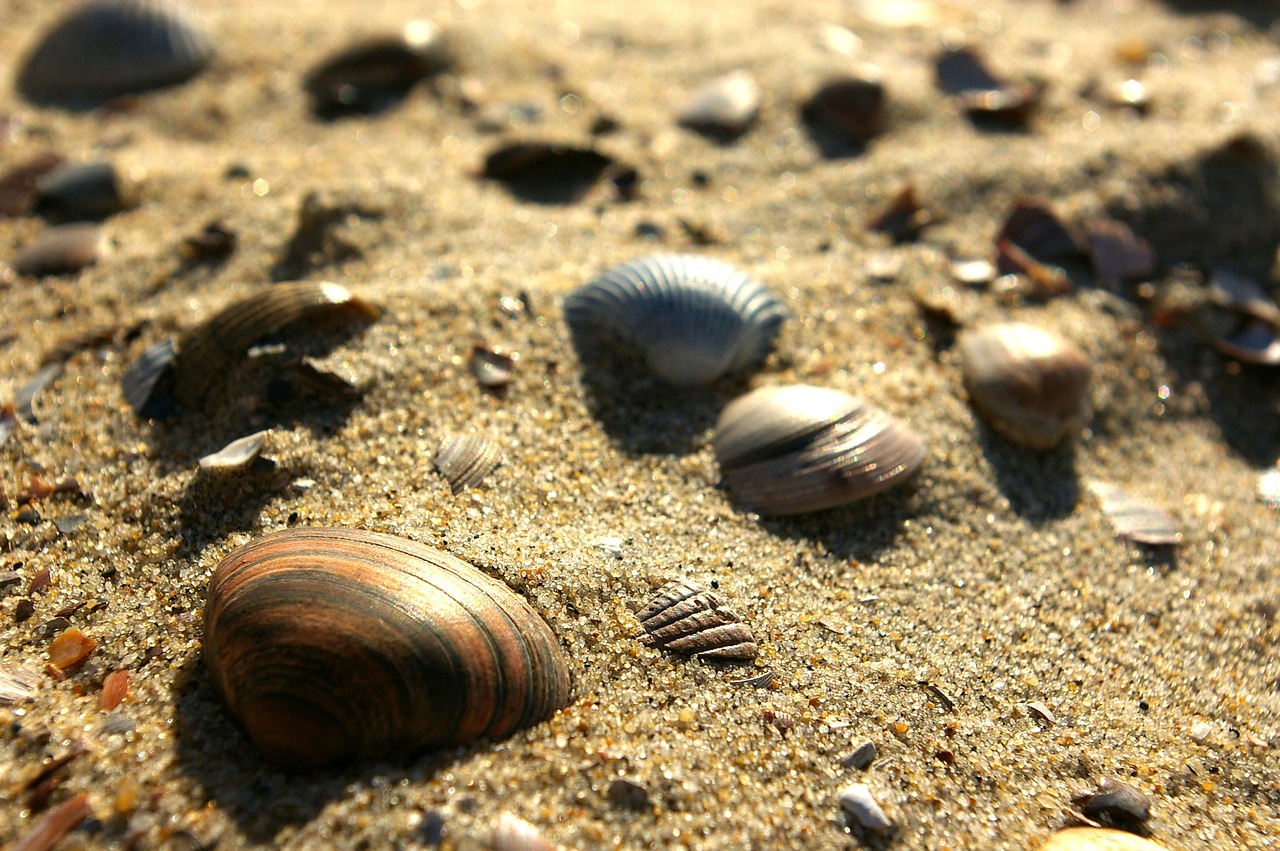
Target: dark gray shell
[(694, 319), (689, 620), (107, 48), (799, 448)]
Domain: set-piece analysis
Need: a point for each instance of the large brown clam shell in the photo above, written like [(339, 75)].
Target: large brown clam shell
[(798, 448), (1030, 384), (338, 644)]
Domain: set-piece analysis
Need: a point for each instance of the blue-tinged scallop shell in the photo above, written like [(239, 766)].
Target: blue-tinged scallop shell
[(107, 48), (694, 319)]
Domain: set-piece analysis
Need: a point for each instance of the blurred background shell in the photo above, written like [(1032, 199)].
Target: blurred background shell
[(799, 448), (337, 644), (693, 319), (106, 48), (1030, 384)]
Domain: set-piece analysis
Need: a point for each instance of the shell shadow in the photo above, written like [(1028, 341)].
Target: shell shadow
[(1040, 484), (860, 530), (218, 757), (831, 144)]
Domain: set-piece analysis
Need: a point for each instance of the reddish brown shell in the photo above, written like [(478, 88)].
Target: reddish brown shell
[(334, 644)]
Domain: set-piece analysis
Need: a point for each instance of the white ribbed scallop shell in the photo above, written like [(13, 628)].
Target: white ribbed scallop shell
[(798, 448), (693, 318)]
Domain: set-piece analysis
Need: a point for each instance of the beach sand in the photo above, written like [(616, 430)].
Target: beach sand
[(993, 579)]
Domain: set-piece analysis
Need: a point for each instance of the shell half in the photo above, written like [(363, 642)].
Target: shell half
[(692, 621), (693, 319)]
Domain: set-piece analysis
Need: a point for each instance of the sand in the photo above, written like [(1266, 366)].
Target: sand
[(993, 579)]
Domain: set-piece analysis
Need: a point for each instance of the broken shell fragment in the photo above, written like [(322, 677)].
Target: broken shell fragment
[(144, 381), (491, 366), (1136, 519), (82, 192), (465, 460), (693, 319), (692, 621), (724, 108), (1098, 839), (1114, 804), (207, 353), (984, 98), (853, 106), (106, 48), (236, 455), (333, 644), (798, 448), (1031, 385), (376, 74), (858, 802), (550, 172), (61, 250)]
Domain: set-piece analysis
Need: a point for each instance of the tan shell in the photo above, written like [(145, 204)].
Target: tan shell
[(686, 619), (798, 448), (1030, 384), (1098, 839), (339, 644)]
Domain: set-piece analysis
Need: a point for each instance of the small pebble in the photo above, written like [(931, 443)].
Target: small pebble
[(1200, 732), (858, 802), (862, 756), (725, 107)]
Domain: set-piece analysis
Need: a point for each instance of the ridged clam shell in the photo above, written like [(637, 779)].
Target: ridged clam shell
[(335, 644), (208, 352), (465, 460), (1136, 519), (694, 319), (686, 619), (106, 48), (1030, 384), (798, 448)]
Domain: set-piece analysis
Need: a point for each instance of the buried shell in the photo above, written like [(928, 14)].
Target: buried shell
[(693, 318), (686, 619), (208, 352), (799, 448), (1030, 384), (335, 644), (374, 75), (107, 48)]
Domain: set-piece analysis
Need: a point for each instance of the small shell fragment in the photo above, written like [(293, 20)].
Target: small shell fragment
[(513, 833), (1269, 487), (858, 802), (1033, 226), (902, 218), (692, 621), (491, 366), (799, 448), (376, 74), (1119, 255), (1114, 804), (1030, 384), (114, 690), (724, 108), (1098, 839), (236, 455), (70, 648), (17, 683), (1136, 519), (143, 381), (61, 250), (983, 97), (853, 106), (862, 756), (548, 172), (465, 460)]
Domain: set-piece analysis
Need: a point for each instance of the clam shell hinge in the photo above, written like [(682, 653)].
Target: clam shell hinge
[(799, 448), (333, 644), (692, 318)]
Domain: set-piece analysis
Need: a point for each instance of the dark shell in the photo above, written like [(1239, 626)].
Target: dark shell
[(552, 172), (18, 184), (331, 645), (207, 353), (985, 99), (1033, 226), (798, 448), (465, 460), (82, 192), (376, 74), (491, 367), (692, 621), (145, 379), (61, 250), (1115, 804), (107, 48), (902, 218), (1030, 384), (853, 106), (693, 319)]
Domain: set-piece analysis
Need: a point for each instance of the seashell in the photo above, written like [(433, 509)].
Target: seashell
[(1119, 255), (513, 833), (491, 366), (106, 48), (902, 218), (144, 382), (689, 620), (985, 98), (724, 108), (1036, 229), (799, 448), (862, 757), (374, 75), (17, 683), (82, 192), (1114, 804), (694, 319), (1136, 519), (18, 184), (1098, 839), (551, 172), (212, 245), (1030, 384), (856, 800), (61, 250), (466, 460), (207, 353), (334, 644), (236, 455), (853, 106)]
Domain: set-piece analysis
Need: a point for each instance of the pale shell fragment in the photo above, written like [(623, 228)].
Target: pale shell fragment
[(1136, 519), (694, 319), (725, 107), (686, 619), (799, 448), (236, 455), (856, 800), (465, 460), (513, 833), (1098, 839), (1030, 384)]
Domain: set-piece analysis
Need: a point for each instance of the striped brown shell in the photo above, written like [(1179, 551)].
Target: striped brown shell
[(466, 459), (798, 448), (335, 644), (692, 621), (207, 353)]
